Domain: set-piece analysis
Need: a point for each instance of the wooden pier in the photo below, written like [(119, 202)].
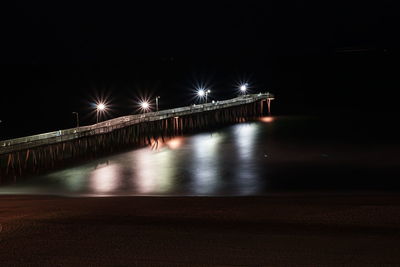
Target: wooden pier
[(38, 153)]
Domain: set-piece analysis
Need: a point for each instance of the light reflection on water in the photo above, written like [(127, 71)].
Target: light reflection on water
[(243, 159), (182, 165), (153, 171), (205, 163), (105, 179), (246, 176)]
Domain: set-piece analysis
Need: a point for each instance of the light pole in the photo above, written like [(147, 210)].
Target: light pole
[(77, 118), (157, 102), (207, 92), (100, 108)]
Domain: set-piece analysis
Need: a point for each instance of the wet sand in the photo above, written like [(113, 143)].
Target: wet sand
[(200, 231)]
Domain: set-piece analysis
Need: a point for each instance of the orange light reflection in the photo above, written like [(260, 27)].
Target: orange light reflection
[(175, 143), (267, 119)]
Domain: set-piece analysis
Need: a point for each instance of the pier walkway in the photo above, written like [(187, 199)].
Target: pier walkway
[(23, 143)]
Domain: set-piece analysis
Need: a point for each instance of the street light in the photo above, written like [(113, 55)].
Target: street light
[(77, 118), (243, 88), (157, 102), (145, 106), (100, 107), (203, 93)]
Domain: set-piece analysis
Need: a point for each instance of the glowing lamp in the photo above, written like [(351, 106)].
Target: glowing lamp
[(144, 105), (101, 106)]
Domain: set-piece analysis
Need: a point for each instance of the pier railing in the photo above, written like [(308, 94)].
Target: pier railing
[(17, 144)]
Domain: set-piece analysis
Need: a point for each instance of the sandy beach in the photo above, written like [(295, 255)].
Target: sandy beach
[(200, 231)]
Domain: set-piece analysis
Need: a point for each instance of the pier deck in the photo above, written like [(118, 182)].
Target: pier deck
[(59, 136)]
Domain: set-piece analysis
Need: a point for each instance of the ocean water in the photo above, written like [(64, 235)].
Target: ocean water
[(274, 155)]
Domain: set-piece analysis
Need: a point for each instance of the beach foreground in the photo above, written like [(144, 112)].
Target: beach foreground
[(200, 231)]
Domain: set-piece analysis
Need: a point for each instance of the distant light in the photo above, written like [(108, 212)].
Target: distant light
[(201, 92), (101, 106), (243, 88), (208, 91)]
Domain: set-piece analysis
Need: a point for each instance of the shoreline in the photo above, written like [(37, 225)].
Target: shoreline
[(200, 231), (276, 194)]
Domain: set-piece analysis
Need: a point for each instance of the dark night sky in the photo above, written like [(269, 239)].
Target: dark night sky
[(315, 57)]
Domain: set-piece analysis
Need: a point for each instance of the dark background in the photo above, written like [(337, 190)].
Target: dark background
[(315, 57)]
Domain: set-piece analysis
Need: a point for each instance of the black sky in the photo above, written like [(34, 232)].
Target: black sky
[(56, 56)]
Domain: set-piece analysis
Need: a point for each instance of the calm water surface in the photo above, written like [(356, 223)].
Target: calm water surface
[(273, 155)]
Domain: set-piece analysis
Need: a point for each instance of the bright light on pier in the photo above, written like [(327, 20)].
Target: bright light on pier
[(145, 105), (201, 92), (101, 106), (243, 88)]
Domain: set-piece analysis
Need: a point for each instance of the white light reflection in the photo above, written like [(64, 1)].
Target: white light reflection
[(105, 178), (154, 172), (206, 159), (244, 138), (246, 169)]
